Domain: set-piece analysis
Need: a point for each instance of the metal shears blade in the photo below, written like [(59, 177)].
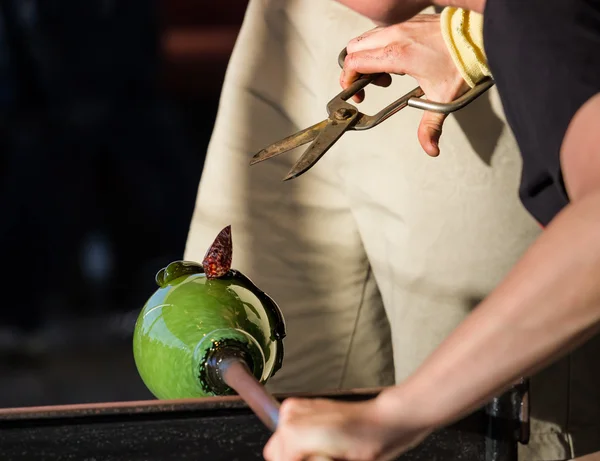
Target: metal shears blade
[(344, 117), (291, 142), (323, 135)]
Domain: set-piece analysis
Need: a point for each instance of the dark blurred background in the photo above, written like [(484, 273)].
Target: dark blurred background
[(106, 110)]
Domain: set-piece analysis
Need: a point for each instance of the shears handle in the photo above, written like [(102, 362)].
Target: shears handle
[(411, 99)]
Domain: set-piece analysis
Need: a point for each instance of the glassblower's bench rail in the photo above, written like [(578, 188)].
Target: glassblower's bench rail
[(223, 429)]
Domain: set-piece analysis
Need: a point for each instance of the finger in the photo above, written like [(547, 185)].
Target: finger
[(347, 79), (384, 80), (356, 43), (390, 59), (272, 450), (349, 76), (359, 97), (305, 447), (378, 38), (430, 131)]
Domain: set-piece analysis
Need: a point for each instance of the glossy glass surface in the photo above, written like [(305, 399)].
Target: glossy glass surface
[(190, 315)]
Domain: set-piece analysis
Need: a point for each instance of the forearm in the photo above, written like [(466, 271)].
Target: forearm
[(474, 5), (548, 305), (386, 12)]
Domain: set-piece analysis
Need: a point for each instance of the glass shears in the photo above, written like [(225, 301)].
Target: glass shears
[(343, 116)]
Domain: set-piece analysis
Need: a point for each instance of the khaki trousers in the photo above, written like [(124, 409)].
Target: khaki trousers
[(379, 251)]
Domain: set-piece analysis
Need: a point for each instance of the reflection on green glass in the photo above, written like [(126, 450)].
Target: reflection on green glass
[(191, 316)]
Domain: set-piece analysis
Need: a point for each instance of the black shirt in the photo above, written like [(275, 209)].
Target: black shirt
[(545, 58)]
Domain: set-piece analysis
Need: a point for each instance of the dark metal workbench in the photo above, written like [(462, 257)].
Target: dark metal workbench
[(212, 429)]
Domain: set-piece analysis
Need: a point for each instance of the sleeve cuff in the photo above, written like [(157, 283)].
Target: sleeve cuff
[(463, 34)]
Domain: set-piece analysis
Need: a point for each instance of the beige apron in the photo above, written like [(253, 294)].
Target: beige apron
[(379, 251)]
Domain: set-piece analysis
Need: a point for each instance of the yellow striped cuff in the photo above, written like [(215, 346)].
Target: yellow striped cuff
[(463, 33)]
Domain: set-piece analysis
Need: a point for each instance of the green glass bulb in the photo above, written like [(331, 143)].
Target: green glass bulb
[(193, 320)]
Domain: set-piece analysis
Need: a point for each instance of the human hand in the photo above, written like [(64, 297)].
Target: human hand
[(317, 429), (416, 48)]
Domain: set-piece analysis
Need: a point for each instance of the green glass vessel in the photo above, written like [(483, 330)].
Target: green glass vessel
[(193, 321)]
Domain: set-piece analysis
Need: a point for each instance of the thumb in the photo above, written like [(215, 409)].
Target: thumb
[(430, 131)]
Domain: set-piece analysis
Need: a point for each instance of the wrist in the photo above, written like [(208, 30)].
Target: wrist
[(395, 403)]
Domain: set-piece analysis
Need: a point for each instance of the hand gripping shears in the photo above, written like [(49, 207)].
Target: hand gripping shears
[(343, 116)]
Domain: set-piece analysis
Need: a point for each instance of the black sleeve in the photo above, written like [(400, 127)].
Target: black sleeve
[(545, 58)]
